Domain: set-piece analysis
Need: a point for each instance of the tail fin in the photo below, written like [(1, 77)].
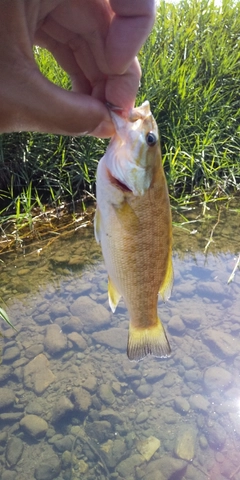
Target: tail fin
[(147, 341)]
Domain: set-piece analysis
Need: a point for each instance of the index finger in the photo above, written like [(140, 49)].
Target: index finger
[(129, 28)]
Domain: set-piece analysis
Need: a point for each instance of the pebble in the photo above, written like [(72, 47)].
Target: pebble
[(106, 394), (77, 340), (170, 379), (113, 338), (144, 391), (11, 354), (193, 319), (36, 374), (58, 309), (62, 407), (7, 398), (114, 450), (55, 340), (126, 467), (32, 351), (216, 436), (155, 374), (11, 417), (5, 373), (142, 417), (181, 404), (217, 378), (185, 443), (48, 469), (111, 415), (14, 451), (165, 468), (81, 399), (92, 315), (193, 375), (9, 475), (226, 345), (90, 383), (188, 362), (64, 443), (34, 425), (203, 442), (99, 430), (198, 402), (42, 318), (148, 447), (176, 325)]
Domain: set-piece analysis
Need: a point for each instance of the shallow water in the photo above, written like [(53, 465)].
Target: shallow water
[(72, 406)]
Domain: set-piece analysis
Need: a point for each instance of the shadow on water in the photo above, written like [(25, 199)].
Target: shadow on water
[(71, 404)]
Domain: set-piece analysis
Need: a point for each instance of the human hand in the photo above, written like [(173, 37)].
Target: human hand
[(94, 41)]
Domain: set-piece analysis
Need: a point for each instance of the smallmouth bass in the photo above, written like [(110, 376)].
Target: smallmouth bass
[(134, 227)]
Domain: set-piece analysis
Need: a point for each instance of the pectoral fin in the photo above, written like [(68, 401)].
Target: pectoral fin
[(113, 295), (97, 225), (166, 287), (147, 341), (127, 217)]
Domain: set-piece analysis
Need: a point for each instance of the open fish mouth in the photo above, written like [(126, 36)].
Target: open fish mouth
[(122, 186)]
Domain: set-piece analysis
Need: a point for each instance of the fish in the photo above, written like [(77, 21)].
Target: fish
[(133, 225)]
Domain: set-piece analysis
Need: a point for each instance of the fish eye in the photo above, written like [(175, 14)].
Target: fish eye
[(151, 139)]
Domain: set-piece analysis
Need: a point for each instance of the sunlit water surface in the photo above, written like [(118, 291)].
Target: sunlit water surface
[(72, 406)]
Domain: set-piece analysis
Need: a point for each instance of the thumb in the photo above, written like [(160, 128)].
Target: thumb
[(30, 102)]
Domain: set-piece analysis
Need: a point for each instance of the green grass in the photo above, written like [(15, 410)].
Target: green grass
[(191, 76)]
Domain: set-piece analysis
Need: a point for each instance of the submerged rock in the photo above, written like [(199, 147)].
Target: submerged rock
[(48, 469), (148, 447), (91, 314), (62, 407), (226, 345), (55, 341), (181, 404), (111, 415), (106, 394), (144, 391), (37, 375), (7, 398), (5, 373), (77, 340), (9, 475), (185, 443), (34, 425), (165, 468), (217, 378), (126, 468), (99, 430), (176, 325), (113, 337), (113, 452), (90, 383), (14, 451), (11, 353), (198, 402), (216, 436), (81, 399)]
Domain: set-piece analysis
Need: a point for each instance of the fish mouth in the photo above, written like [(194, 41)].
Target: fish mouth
[(118, 183)]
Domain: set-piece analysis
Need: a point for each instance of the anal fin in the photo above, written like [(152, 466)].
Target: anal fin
[(166, 287), (147, 341), (113, 295)]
